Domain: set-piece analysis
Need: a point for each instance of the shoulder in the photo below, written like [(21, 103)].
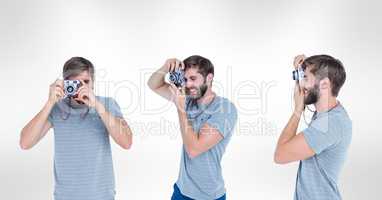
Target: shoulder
[(335, 122), (341, 117), (222, 104), (106, 100)]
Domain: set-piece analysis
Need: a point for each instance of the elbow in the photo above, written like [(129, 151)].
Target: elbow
[(24, 145), (126, 144), (278, 158), (150, 85), (192, 153)]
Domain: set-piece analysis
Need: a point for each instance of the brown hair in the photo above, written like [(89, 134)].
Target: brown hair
[(77, 65), (203, 65), (323, 66)]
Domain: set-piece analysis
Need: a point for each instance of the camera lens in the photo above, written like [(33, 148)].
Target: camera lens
[(70, 89)]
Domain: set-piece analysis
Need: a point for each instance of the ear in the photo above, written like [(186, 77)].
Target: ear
[(210, 77), (325, 84)]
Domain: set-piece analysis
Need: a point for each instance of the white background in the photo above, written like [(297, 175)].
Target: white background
[(252, 45)]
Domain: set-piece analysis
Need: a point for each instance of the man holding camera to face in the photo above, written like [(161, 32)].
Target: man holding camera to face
[(322, 147), (206, 125), (82, 123)]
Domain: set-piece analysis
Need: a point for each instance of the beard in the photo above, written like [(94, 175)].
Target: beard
[(313, 95), (201, 91)]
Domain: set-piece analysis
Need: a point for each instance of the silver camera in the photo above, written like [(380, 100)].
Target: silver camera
[(177, 78), (298, 74), (71, 87)]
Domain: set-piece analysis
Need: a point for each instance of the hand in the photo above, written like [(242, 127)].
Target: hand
[(299, 104), (298, 60), (56, 91), (86, 95), (179, 97), (173, 64)]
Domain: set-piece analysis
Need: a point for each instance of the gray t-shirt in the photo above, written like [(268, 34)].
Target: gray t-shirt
[(201, 177), (83, 167), (329, 135)]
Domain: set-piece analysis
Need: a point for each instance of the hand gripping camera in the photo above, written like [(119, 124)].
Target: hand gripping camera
[(177, 78), (71, 87), (298, 74)]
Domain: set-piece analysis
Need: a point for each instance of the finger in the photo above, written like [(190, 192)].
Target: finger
[(82, 82), (59, 90), (174, 89), (183, 67), (83, 93), (168, 64), (81, 88), (62, 93), (172, 66), (59, 93), (301, 59), (177, 64), (58, 87), (183, 90), (81, 96), (297, 88), (58, 83), (78, 99)]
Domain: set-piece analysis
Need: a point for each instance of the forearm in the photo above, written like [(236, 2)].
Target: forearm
[(117, 128), (157, 79), (34, 130), (290, 129), (189, 137)]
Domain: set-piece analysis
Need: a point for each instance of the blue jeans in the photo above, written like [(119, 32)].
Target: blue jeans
[(179, 196)]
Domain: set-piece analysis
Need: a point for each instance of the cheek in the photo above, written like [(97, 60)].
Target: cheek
[(308, 84)]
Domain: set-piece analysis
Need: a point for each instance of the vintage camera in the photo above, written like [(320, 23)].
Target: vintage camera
[(71, 87), (298, 74), (177, 78)]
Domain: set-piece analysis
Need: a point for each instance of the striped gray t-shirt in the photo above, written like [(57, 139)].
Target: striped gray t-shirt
[(329, 135), (83, 167), (201, 177)]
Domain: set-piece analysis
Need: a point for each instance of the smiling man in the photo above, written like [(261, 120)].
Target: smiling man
[(206, 125), (82, 124), (322, 147)]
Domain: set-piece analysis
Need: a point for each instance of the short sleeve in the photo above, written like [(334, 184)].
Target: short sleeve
[(323, 133), (224, 118), (113, 107)]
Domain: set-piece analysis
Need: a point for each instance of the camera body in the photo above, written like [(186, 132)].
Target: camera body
[(177, 78), (298, 74), (71, 87)]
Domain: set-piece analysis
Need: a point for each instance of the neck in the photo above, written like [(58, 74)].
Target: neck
[(326, 103), (207, 98)]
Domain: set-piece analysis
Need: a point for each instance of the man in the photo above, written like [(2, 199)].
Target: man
[(82, 123), (206, 125), (323, 145)]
